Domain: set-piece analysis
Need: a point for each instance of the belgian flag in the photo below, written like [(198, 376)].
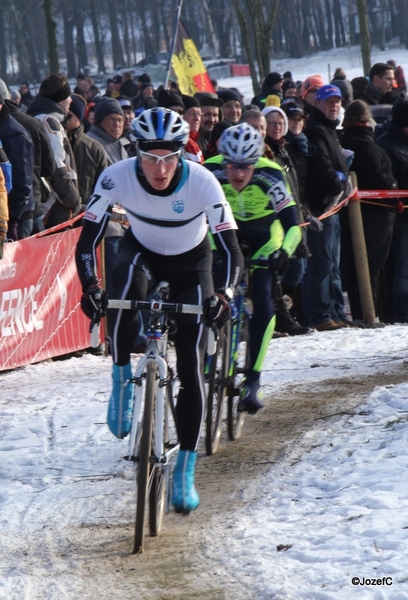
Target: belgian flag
[(187, 68)]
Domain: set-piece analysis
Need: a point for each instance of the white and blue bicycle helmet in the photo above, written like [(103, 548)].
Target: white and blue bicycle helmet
[(241, 144), (160, 127)]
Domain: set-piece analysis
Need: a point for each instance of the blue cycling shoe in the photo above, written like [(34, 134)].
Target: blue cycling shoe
[(184, 497), (120, 408), (250, 398)]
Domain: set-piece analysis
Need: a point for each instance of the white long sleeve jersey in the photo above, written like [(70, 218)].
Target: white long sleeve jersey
[(167, 225)]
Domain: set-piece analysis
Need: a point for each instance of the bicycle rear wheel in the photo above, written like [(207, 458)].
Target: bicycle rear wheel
[(144, 466), (217, 387), (235, 419)]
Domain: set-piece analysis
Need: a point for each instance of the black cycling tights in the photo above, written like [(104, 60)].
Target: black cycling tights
[(133, 281)]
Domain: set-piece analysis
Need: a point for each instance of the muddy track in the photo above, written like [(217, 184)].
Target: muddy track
[(174, 566)]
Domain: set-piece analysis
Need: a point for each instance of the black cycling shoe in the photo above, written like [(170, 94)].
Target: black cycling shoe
[(250, 400)]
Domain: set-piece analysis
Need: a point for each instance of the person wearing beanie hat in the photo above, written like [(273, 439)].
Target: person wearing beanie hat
[(192, 115), (232, 105), (289, 89), (171, 100), (277, 122), (77, 107), (145, 97), (117, 85), (399, 111), (4, 90), (272, 85), (308, 91), (107, 128), (374, 172), (90, 157), (277, 129), (128, 111), (50, 106), (56, 88)]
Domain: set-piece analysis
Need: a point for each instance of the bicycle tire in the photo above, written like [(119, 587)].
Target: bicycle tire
[(217, 388), (235, 419), (159, 481), (143, 470), (157, 500)]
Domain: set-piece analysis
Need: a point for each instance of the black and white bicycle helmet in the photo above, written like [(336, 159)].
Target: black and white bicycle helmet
[(241, 144), (160, 125)]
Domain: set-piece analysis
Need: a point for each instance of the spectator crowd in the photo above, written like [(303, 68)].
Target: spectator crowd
[(54, 146)]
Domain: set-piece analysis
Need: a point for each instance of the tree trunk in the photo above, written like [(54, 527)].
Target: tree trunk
[(3, 49), (403, 14), (246, 43), (69, 46), (329, 24), (34, 56), (24, 66), (80, 40), (97, 39), (53, 62), (212, 39), (117, 54), (364, 35), (341, 38)]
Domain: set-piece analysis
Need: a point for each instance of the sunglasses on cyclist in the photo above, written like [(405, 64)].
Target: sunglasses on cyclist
[(239, 166), (153, 159)]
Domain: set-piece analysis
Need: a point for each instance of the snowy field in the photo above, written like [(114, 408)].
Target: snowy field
[(324, 63), (339, 499)]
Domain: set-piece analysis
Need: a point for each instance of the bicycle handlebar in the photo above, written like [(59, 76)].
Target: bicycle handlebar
[(156, 305)]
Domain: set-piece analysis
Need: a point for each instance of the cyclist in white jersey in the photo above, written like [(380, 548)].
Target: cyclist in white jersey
[(169, 203)]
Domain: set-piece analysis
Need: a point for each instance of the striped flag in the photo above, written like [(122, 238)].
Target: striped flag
[(187, 68)]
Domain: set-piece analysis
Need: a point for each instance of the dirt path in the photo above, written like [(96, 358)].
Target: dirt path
[(95, 562)]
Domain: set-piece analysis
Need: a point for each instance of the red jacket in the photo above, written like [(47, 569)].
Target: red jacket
[(192, 150)]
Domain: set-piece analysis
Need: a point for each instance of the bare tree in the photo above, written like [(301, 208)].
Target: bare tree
[(53, 62), (364, 35)]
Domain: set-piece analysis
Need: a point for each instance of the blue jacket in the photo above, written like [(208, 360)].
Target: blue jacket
[(20, 151)]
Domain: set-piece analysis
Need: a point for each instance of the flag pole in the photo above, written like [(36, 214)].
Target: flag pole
[(173, 43)]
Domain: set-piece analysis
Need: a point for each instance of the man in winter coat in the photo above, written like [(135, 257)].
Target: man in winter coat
[(395, 142), (50, 107), (381, 80), (107, 129), (326, 186), (210, 115), (44, 163), (90, 157), (272, 85), (20, 152)]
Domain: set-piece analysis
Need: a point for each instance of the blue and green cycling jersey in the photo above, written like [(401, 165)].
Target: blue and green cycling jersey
[(264, 210)]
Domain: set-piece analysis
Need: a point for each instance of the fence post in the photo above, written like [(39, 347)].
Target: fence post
[(360, 259)]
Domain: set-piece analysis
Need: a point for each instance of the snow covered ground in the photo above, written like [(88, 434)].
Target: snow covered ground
[(337, 503)]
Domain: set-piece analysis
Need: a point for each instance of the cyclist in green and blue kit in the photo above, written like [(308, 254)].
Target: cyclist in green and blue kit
[(265, 212)]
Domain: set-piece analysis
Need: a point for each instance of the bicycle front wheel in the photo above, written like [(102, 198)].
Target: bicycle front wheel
[(144, 466), (217, 387), (158, 492), (235, 419)]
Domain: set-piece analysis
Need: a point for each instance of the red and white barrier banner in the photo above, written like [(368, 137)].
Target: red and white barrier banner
[(40, 291), (381, 194)]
